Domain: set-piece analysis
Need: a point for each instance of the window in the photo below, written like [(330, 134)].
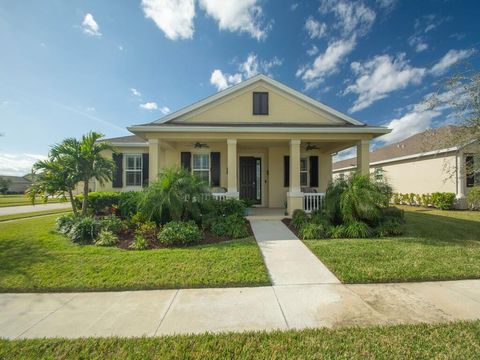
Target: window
[(133, 170), (379, 174), (201, 166), (260, 103), (341, 176), (303, 172), (473, 173)]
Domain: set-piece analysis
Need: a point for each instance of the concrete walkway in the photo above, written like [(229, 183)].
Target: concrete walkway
[(288, 260), (162, 312), (10, 210)]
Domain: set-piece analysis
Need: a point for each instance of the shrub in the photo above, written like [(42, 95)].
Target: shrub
[(112, 223), (139, 242), (473, 198), (299, 218), (356, 230), (179, 233), (311, 231), (106, 238), (148, 230), (64, 223), (388, 228), (128, 203), (212, 210), (84, 230), (338, 232), (393, 214), (319, 217), (444, 201), (232, 226), (99, 202)]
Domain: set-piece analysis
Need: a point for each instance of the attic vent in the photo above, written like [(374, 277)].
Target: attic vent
[(260, 103)]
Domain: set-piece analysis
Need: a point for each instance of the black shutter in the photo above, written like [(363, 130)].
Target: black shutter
[(256, 103), (313, 171), (215, 168), (185, 159), (117, 180), (286, 171), (470, 171), (145, 171)]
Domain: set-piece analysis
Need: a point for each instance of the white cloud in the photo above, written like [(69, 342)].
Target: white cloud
[(312, 51), (120, 47), (315, 28), (418, 42), (449, 59), (250, 67), (164, 110), (388, 5), (294, 6), (380, 76), (173, 17), (90, 26), (90, 109), (234, 15), (326, 63), (345, 154), (135, 92), (149, 106), (353, 18), (18, 164)]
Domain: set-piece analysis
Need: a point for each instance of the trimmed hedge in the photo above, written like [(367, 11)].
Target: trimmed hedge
[(439, 200), (99, 201)]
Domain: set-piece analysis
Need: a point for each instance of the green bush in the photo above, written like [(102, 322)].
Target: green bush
[(312, 231), (148, 230), (128, 203), (319, 217), (212, 210), (393, 214), (99, 202), (299, 218), (65, 222), (388, 228), (473, 198), (179, 233), (338, 232), (444, 201), (356, 230), (106, 238), (139, 242), (112, 223), (84, 230), (232, 226)]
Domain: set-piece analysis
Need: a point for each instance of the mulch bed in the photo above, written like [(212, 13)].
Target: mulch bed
[(288, 223)]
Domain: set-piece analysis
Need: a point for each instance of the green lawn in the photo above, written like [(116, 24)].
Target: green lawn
[(32, 214), (459, 340), (18, 200), (33, 258), (437, 245)]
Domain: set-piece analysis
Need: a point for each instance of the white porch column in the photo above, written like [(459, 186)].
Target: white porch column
[(294, 195), (461, 181), (154, 159), (363, 157), (232, 168), (325, 171)]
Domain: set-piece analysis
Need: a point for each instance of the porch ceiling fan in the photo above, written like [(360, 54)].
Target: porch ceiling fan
[(311, 146), (199, 145)]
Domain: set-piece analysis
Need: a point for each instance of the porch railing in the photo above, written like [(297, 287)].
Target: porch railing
[(313, 201), (219, 196)]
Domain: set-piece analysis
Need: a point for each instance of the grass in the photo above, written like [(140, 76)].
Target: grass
[(18, 200), (459, 340), (33, 258), (32, 214), (437, 245)]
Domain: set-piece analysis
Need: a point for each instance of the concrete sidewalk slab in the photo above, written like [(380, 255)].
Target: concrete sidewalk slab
[(22, 209), (233, 309), (288, 260)]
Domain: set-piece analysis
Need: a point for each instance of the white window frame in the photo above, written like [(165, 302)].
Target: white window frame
[(207, 154), (305, 158), (133, 170), (379, 173)]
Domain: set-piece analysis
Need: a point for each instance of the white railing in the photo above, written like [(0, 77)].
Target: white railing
[(219, 196), (313, 201)]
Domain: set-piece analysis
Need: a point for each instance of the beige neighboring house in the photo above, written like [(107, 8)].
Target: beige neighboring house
[(258, 140), (422, 164), (18, 184)]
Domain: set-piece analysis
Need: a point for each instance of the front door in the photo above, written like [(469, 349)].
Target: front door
[(251, 179)]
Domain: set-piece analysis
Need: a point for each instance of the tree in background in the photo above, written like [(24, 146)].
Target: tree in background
[(4, 185)]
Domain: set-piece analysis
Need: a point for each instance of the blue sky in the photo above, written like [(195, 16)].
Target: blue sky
[(67, 67)]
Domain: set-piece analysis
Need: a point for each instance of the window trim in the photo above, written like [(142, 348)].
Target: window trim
[(306, 171), (140, 170), (259, 93), (209, 165), (379, 172)]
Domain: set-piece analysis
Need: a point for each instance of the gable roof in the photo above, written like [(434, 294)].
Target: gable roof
[(424, 143), (255, 79), (129, 140)]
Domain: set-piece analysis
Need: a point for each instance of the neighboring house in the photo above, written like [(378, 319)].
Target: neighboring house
[(422, 164), (257, 140), (18, 184)]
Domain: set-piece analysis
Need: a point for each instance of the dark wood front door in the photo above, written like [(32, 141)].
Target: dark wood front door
[(251, 178)]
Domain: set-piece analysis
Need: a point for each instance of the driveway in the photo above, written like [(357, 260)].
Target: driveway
[(10, 210)]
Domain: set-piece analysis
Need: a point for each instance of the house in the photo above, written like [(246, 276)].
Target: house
[(423, 163), (18, 184), (258, 140)]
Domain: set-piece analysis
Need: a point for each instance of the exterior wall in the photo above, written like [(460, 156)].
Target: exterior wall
[(237, 108)]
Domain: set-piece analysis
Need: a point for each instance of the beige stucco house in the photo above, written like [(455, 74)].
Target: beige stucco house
[(423, 163), (257, 140)]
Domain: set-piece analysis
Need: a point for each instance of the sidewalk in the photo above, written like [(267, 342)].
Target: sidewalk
[(10, 210), (162, 312)]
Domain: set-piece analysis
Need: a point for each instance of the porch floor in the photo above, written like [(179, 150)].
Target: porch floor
[(262, 213)]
